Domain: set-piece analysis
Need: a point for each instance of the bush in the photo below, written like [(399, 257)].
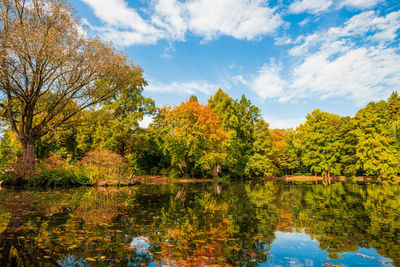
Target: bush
[(102, 164), (174, 173), (58, 177), (18, 173)]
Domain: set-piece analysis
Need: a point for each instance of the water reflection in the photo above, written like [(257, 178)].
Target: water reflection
[(202, 224)]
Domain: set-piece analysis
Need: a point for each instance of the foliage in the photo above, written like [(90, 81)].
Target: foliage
[(239, 118), (286, 157), (376, 153), (320, 140), (50, 71), (260, 163), (102, 164), (192, 135)]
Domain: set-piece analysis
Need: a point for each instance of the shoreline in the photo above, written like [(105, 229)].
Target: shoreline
[(159, 180)]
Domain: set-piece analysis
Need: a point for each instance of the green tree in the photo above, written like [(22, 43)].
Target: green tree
[(238, 119), (261, 160), (376, 153), (320, 140), (50, 70)]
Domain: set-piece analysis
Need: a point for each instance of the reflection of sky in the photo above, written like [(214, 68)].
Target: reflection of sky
[(298, 249), (140, 243)]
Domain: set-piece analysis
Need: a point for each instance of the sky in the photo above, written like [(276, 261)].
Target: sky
[(287, 57)]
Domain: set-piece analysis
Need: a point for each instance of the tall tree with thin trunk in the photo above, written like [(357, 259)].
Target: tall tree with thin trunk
[(50, 69)]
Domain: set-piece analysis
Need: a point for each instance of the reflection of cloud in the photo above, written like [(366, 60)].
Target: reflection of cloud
[(140, 243)]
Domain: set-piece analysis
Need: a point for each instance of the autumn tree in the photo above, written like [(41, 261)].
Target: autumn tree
[(286, 157), (50, 70), (260, 162), (321, 144), (376, 152), (192, 135), (239, 118), (394, 115)]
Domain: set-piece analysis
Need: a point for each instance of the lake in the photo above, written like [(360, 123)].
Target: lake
[(197, 224)]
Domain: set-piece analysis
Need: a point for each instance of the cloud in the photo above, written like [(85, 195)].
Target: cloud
[(361, 74), (267, 83), (283, 123), (146, 121), (319, 6), (173, 20), (242, 19), (310, 6), (356, 61), (360, 3), (182, 88), (169, 15)]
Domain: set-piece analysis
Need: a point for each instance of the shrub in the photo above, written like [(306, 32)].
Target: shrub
[(174, 173), (102, 164), (58, 177), (18, 173)]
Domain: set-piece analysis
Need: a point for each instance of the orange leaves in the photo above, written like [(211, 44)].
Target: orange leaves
[(192, 133)]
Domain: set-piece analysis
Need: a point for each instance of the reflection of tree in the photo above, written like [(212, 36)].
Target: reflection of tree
[(334, 216), (187, 224), (222, 228), (382, 203), (16, 250), (346, 217)]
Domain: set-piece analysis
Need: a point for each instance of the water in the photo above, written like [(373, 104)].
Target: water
[(200, 224)]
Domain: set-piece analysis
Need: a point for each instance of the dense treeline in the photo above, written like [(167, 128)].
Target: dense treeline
[(73, 103), (225, 137)]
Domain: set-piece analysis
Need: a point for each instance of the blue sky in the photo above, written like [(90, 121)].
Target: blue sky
[(288, 57)]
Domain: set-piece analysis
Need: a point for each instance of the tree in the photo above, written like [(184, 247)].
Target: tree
[(285, 156), (376, 153), (394, 115), (50, 70), (261, 160), (320, 141), (192, 135), (238, 119)]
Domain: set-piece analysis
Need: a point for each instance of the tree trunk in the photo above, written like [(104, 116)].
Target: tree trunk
[(28, 152), (216, 170)]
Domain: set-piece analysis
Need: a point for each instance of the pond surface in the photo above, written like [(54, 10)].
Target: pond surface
[(228, 224)]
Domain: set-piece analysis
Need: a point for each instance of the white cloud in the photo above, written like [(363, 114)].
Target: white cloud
[(360, 3), (146, 121), (242, 19), (267, 83), (170, 16), (318, 6), (182, 88), (123, 24), (283, 123), (310, 6), (361, 74), (356, 61), (173, 19)]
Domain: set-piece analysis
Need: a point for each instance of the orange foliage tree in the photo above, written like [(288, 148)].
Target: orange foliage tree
[(286, 159), (193, 136)]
